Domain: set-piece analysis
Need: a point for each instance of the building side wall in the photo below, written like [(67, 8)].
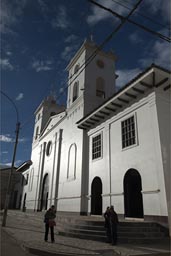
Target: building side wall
[(144, 157), (64, 186), (69, 196), (164, 115)]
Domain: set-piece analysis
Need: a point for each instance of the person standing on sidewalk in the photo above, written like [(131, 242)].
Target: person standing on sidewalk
[(49, 220), (113, 225), (107, 224)]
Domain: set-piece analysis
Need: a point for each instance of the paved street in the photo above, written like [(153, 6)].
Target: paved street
[(28, 230), (9, 246)]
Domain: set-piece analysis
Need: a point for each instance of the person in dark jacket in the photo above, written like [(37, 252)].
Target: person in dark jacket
[(49, 220), (113, 225), (107, 224)]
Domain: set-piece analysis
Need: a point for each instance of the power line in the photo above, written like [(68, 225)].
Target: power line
[(133, 22), (108, 38), (98, 48), (142, 15)]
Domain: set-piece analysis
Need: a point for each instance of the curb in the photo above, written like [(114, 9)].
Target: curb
[(40, 252)]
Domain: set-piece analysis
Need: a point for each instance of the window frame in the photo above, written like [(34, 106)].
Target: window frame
[(49, 148), (129, 130), (26, 176), (101, 147), (76, 68), (75, 89), (100, 87)]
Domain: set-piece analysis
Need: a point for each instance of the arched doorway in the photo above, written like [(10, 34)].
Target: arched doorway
[(45, 192), (132, 194), (96, 196)]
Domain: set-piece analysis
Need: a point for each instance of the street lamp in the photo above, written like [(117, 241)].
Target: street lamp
[(12, 165)]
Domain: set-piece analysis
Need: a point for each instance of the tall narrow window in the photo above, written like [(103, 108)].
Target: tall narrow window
[(100, 87), (72, 155), (128, 132), (26, 179), (76, 69), (37, 133), (97, 146), (75, 91)]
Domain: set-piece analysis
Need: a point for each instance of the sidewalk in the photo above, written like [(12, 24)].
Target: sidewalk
[(28, 231)]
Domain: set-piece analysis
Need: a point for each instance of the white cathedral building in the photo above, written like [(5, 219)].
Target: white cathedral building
[(106, 147)]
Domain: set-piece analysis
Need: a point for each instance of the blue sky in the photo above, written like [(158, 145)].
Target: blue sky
[(39, 37)]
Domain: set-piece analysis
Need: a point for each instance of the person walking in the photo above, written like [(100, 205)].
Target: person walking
[(107, 224), (49, 220), (113, 225)]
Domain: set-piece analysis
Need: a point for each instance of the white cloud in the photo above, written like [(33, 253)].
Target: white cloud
[(125, 76), (8, 164), (8, 53), (71, 38), (43, 6), (40, 65), (68, 52), (61, 90), (6, 138), (99, 14), (10, 12), (159, 54), (135, 39), (61, 19), (160, 7), (6, 65), (20, 96), (17, 163)]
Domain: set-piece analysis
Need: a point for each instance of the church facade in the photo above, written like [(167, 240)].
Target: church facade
[(106, 147)]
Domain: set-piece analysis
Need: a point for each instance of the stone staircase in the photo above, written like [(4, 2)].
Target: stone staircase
[(128, 232)]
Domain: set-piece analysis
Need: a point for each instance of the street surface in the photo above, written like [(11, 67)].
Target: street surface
[(9, 246)]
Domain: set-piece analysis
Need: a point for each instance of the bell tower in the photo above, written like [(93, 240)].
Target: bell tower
[(91, 77), (46, 109)]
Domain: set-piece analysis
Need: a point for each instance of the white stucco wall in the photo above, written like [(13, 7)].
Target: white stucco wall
[(144, 157)]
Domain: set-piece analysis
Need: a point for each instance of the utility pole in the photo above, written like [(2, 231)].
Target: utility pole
[(7, 199)]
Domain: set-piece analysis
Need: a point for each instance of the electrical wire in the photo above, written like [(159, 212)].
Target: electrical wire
[(108, 38), (142, 15), (165, 38), (94, 54)]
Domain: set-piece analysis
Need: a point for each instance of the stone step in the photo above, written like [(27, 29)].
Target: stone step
[(120, 228), (100, 222), (121, 240), (120, 234), (128, 231)]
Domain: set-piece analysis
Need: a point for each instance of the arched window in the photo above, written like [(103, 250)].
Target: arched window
[(100, 87), (75, 91), (45, 192), (76, 68), (37, 133), (49, 148), (72, 155)]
